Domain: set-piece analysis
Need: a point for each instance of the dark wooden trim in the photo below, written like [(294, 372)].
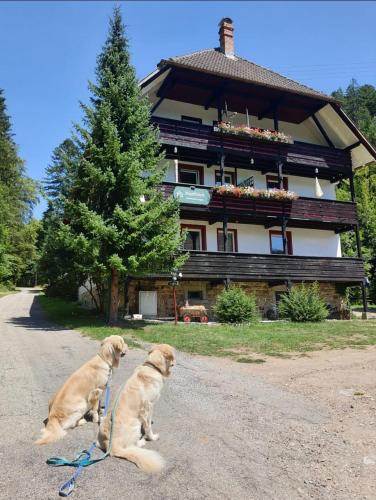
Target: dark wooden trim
[(271, 268), (191, 119), (371, 150), (271, 108), (200, 228), (285, 181), (229, 230), (197, 168), (352, 146), (200, 143), (288, 238), (156, 105), (322, 130)]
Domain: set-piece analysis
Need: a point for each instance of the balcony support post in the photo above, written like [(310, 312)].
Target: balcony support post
[(352, 187), (275, 118), (364, 300), (280, 173), (284, 238)]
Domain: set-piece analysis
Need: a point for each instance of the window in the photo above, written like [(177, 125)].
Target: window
[(196, 237), (276, 242), (229, 178), (273, 183), (195, 295), (232, 240), (191, 174), (191, 119)]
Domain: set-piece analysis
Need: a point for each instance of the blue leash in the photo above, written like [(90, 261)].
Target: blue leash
[(83, 459)]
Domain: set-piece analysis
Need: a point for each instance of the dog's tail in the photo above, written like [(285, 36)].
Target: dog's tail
[(148, 461), (52, 432)]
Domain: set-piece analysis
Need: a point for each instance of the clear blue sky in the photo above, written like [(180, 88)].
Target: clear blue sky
[(48, 52)]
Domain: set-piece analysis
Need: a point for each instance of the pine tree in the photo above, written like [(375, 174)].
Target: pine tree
[(115, 208), (18, 193), (59, 173)]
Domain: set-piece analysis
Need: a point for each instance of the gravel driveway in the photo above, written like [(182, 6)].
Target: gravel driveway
[(226, 431)]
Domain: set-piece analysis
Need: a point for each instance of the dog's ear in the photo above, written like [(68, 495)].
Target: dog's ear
[(107, 351)]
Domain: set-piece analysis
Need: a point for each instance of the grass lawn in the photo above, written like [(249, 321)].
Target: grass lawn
[(238, 342), (6, 291)]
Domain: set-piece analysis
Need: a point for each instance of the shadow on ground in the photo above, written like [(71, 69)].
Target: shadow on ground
[(76, 319)]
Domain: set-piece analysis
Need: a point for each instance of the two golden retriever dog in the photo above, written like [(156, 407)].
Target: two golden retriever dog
[(80, 394), (125, 430)]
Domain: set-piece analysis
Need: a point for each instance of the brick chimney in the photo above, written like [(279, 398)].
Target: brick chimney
[(226, 36)]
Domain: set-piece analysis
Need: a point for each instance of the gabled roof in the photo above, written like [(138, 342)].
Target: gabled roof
[(213, 61)]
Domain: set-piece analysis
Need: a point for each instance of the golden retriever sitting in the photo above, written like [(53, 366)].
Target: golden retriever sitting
[(80, 394), (134, 412)]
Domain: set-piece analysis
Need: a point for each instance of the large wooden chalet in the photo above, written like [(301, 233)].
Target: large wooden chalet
[(254, 158)]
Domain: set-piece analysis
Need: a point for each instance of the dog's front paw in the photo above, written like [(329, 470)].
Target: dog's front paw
[(153, 437), (141, 443), (95, 417)]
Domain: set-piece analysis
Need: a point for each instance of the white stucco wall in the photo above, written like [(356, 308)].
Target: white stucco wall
[(255, 239), (303, 186)]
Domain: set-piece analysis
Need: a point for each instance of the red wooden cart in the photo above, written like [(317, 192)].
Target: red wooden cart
[(191, 312)]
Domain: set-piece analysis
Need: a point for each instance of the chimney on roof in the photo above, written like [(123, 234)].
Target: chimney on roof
[(226, 36)]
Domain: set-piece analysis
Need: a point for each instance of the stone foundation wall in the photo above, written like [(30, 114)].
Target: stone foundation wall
[(332, 293)]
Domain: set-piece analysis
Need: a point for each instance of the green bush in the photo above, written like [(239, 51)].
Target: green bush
[(303, 303), (233, 305)]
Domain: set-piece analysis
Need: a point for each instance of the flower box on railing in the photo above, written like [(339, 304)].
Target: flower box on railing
[(254, 133), (250, 192)]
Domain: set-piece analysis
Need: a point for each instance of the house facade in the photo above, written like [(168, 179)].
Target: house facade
[(254, 159)]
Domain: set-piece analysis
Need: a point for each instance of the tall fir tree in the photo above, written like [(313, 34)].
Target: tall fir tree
[(115, 208), (18, 193)]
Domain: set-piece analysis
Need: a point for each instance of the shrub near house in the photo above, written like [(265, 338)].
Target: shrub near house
[(233, 305), (303, 303)]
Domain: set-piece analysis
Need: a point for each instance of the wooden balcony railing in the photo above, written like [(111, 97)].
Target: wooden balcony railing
[(203, 137), (241, 266), (335, 213)]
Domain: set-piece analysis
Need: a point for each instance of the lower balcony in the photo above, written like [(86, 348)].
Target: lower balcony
[(272, 268)]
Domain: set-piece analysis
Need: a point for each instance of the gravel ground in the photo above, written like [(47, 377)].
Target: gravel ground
[(287, 429)]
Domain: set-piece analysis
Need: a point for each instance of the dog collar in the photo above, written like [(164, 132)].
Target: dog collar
[(107, 363), (152, 365)]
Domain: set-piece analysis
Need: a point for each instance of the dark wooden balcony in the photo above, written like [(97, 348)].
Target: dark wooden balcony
[(272, 268), (303, 212), (201, 143)]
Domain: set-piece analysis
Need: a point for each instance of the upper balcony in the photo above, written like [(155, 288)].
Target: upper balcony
[(303, 212), (202, 143)]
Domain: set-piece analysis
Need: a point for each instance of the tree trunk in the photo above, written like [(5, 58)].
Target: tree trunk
[(114, 297)]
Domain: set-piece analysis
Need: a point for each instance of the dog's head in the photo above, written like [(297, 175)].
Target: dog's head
[(163, 357), (112, 348)]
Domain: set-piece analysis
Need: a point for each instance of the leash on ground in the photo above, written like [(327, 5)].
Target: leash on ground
[(83, 459)]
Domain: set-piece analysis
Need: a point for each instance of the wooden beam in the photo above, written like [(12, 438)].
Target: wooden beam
[(271, 108), (156, 105), (322, 130), (216, 94), (371, 150), (166, 86), (352, 146)]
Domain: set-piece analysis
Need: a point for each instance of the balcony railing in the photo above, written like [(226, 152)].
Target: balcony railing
[(203, 137), (332, 212), (241, 266)]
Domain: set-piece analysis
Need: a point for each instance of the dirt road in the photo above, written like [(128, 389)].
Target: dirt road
[(287, 429)]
